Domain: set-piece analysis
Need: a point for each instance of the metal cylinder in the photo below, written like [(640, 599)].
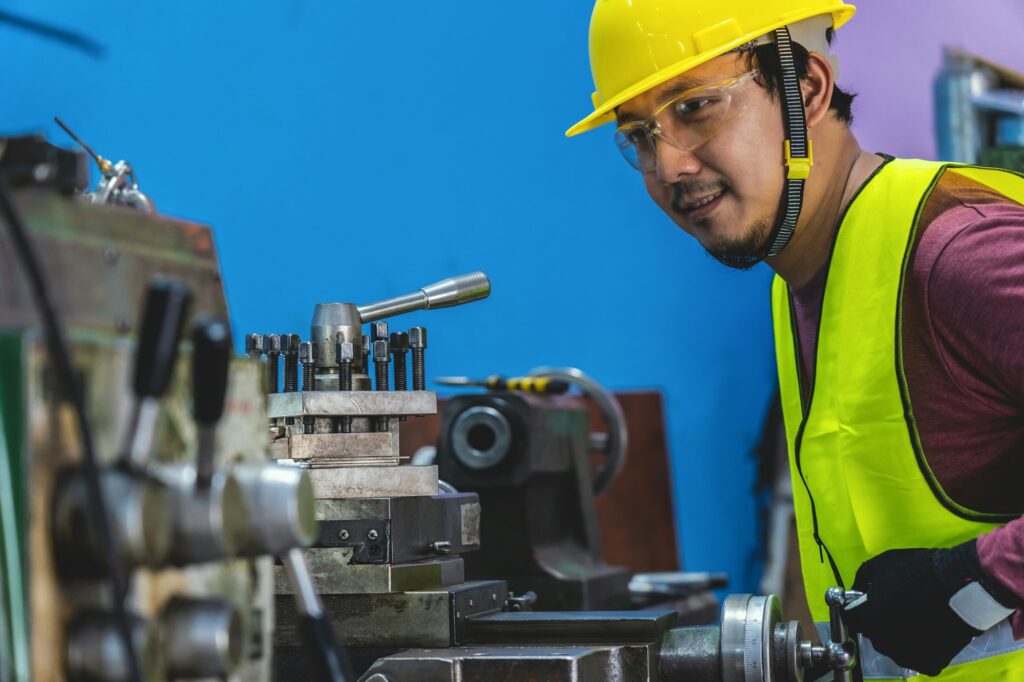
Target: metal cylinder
[(691, 653), (281, 503), (328, 320), (481, 437), (96, 652), (139, 511), (202, 638), (209, 523)]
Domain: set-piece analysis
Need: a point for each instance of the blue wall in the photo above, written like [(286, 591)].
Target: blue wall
[(343, 151)]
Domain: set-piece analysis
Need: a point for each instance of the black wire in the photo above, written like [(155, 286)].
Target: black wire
[(60, 35), (58, 352)]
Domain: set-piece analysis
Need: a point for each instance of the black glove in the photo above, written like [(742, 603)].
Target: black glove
[(906, 612)]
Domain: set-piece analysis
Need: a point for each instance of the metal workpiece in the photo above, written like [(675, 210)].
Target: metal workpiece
[(411, 528), (399, 347), (96, 651), (139, 510), (290, 349), (254, 345), (281, 505), (332, 575), (273, 351), (400, 481), (209, 523), (446, 293), (202, 638), (691, 653), (352, 403)]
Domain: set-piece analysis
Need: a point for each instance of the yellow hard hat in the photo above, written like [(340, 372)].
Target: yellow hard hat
[(638, 44)]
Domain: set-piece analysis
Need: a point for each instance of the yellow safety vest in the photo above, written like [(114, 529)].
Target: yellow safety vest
[(860, 481)]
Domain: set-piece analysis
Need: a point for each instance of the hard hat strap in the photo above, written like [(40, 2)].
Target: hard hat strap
[(798, 146)]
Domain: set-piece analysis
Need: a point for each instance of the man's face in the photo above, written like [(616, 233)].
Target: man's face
[(740, 167)]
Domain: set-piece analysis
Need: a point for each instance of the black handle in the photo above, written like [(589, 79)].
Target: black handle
[(164, 313), (211, 357), (329, 662)]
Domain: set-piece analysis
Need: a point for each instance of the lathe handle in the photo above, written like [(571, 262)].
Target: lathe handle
[(211, 355), (444, 294), (166, 307), (325, 654)]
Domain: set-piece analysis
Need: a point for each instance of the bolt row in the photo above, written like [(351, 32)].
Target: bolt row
[(380, 346)]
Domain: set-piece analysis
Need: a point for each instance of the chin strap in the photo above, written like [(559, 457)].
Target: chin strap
[(798, 151)]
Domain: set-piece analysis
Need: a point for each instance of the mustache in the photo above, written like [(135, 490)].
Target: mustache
[(686, 191)]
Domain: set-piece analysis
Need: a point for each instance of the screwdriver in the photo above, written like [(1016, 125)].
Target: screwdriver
[(536, 385)]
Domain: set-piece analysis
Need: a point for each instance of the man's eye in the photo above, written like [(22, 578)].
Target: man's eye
[(636, 136), (692, 106)]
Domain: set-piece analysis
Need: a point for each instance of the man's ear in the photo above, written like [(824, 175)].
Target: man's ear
[(817, 88)]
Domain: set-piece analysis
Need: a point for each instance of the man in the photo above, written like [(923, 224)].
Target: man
[(898, 308)]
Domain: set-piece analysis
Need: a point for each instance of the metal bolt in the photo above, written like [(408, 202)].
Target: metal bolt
[(418, 344), (344, 354), (307, 356), (272, 348), (343, 534), (290, 348), (381, 359), (366, 353), (254, 345), (378, 331), (399, 347), (372, 535), (441, 547)]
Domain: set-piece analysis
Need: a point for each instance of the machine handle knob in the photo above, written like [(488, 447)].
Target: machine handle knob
[(444, 294), (164, 313), (211, 355)]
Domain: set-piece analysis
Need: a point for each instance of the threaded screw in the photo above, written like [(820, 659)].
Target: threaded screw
[(307, 357), (381, 358), (344, 352), (418, 345), (290, 348), (399, 347), (273, 349)]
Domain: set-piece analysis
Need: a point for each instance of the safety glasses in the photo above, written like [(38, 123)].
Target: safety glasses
[(686, 121)]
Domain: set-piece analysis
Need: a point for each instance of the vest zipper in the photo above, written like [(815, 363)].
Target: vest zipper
[(806, 395)]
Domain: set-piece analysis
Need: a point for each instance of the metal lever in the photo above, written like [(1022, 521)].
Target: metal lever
[(164, 313), (329, 658), (444, 294), (842, 649), (211, 355)]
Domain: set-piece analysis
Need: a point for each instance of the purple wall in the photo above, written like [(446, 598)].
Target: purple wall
[(891, 50)]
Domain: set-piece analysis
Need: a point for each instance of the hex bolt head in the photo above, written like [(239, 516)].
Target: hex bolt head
[(290, 343), (372, 535), (381, 350), (399, 342), (344, 351), (254, 344), (307, 352), (273, 344), (366, 344), (418, 337), (378, 330)]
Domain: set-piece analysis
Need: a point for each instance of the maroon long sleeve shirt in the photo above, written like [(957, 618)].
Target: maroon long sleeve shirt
[(963, 349)]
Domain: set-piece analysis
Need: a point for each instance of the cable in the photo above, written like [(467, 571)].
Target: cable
[(58, 352)]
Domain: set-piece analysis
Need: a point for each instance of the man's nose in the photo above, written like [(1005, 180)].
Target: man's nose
[(672, 163)]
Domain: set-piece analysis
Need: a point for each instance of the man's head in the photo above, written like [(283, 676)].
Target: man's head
[(707, 133)]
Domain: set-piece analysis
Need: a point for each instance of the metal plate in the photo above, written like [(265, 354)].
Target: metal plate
[(419, 527), (339, 449), (333, 575), (354, 403), (400, 481), (515, 663)]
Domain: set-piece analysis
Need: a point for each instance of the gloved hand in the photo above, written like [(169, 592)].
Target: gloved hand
[(906, 610)]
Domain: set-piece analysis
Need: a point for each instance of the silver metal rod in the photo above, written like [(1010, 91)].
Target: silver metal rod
[(306, 599), (142, 430), (444, 294)]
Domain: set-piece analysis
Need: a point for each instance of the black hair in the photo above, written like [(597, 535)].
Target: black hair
[(766, 58)]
